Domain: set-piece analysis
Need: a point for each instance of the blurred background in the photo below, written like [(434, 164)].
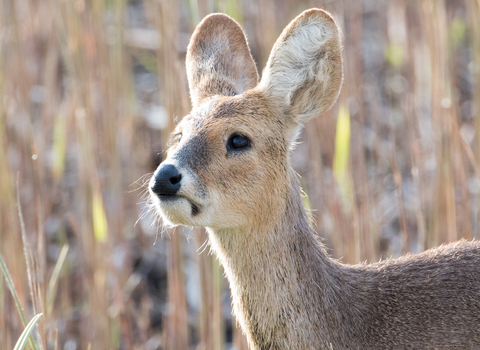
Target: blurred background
[(89, 90)]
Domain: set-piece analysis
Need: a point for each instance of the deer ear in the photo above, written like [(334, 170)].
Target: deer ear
[(304, 72), (219, 61)]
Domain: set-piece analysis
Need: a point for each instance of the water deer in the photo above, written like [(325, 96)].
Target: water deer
[(227, 169)]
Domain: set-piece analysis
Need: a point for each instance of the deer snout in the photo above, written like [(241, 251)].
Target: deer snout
[(167, 180)]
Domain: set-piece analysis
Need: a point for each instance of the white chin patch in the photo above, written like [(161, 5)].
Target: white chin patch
[(176, 211)]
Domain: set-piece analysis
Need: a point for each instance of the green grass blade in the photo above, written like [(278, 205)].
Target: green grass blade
[(22, 341), (11, 286), (100, 226), (342, 142), (342, 154), (52, 285)]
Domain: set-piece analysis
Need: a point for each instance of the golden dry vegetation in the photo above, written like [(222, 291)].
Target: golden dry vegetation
[(89, 90)]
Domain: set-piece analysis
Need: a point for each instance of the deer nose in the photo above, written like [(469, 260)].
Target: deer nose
[(167, 180)]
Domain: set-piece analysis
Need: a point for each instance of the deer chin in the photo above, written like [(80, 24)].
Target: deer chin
[(178, 210)]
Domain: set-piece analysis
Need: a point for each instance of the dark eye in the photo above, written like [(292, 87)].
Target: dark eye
[(238, 141)]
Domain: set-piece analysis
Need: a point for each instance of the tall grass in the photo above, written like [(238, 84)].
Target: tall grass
[(89, 91), (24, 337)]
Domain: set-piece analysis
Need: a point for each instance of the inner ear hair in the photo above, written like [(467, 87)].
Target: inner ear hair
[(219, 61), (304, 72)]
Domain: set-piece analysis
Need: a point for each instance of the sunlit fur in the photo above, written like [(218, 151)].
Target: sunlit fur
[(230, 190), (287, 293)]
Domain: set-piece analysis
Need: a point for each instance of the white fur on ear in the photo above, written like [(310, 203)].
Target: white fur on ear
[(304, 72)]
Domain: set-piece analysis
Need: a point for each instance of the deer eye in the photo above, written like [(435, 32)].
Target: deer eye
[(237, 141)]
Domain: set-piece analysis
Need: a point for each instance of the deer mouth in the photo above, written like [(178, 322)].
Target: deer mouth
[(195, 208)]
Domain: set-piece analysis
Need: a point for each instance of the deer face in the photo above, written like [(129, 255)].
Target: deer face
[(227, 162)]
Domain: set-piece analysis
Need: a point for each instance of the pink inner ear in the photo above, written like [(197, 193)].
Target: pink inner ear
[(219, 61)]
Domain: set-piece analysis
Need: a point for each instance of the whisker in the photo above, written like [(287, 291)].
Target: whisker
[(141, 182), (141, 217), (204, 245)]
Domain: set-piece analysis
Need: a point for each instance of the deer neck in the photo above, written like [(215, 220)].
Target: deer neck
[(282, 273)]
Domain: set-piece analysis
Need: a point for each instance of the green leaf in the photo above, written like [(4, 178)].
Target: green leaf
[(342, 141), (394, 55), (100, 227), (52, 285), (342, 153), (22, 341), (59, 146), (11, 286), (457, 30)]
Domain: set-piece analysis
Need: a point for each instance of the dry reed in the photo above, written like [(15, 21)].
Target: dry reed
[(89, 91)]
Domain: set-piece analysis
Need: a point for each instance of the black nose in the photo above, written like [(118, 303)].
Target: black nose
[(167, 180)]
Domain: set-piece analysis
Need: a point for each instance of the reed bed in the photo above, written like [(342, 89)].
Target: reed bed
[(89, 91)]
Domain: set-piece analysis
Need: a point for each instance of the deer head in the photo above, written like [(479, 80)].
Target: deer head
[(227, 164)]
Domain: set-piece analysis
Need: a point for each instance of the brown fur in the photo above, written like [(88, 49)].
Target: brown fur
[(219, 59), (287, 293)]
